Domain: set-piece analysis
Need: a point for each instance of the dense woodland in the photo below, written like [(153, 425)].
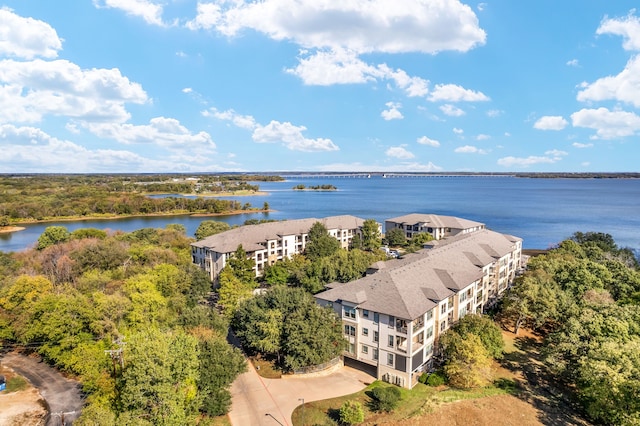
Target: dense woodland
[(41, 197), (583, 297)]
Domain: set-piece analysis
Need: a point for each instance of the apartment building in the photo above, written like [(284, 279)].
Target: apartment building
[(392, 317), (267, 243), (437, 225)]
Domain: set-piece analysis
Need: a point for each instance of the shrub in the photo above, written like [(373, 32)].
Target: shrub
[(423, 378), (351, 413), (436, 379), (385, 398)]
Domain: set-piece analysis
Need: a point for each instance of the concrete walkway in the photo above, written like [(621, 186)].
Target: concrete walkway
[(258, 401)]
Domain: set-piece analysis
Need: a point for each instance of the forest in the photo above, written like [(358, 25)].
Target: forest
[(583, 298), (28, 198)]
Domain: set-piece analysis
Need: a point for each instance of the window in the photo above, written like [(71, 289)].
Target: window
[(365, 349), (365, 331), (429, 315), (429, 348), (375, 353), (348, 312), (443, 325), (389, 359), (349, 330), (392, 321), (376, 317), (365, 313), (429, 332), (443, 309), (376, 336), (351, 348), (390, 342)]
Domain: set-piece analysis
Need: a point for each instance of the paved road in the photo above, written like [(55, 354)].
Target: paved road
[(268, 402), (62, 395)]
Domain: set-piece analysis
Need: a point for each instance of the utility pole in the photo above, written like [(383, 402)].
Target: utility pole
[(117, 354)]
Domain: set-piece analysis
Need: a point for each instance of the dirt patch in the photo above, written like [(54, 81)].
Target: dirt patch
[(25, 407), (504, 410)]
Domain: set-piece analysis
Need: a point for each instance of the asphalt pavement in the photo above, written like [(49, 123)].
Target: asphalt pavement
[(61, 394)]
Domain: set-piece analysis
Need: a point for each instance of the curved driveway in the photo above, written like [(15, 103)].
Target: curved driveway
[(257, 401), (62, 395)]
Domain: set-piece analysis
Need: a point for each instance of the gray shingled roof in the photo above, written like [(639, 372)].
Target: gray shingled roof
[(435, 221), (250, 236), (411, 286)]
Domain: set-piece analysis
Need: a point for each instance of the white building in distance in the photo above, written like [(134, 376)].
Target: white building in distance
[(267, 243)]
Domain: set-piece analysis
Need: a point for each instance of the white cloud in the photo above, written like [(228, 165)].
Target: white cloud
[(242, 121), (573, 63), (585, 164), (550, 157), (342, 66), (458, 131), (393, 112), (429, 142), (150, 12), (337, 66), (30, 90), (469, 149), (483, 137), (556, 153), (29, 149), (624, 87), (482, 6), (608, 124), (455, 93), (187, 90), (359, 167), (550, 122), (494, 113), (399, 152), (161, 131), (291, 136), (451, 110), (581, 145), (27, 37), (628, 28), (372, 26)]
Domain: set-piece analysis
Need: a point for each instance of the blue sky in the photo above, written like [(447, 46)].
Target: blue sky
[(319, 85)]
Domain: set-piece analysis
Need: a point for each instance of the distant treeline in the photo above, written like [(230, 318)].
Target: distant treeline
[(41, 197)]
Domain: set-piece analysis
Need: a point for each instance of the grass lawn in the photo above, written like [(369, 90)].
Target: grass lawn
[(265, 367)]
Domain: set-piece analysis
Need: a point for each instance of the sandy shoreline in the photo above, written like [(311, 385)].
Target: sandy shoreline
[(7, 229)]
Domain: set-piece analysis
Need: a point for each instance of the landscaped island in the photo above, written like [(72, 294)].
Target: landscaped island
[(302, 187), (34, 198)]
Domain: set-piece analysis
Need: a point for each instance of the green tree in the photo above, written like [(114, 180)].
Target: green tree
[(82, 233), (395, 237), (468, 364), (320, 244), (210, 227), (385, 398), (232, 291), (486, 329), (53, 235), (242, 266), (265, 206), (371, 234), (420, 239), (159, 381), (351, 413), (220, 364), (287, 322)]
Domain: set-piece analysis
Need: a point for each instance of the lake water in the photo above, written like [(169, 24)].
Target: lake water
[(541, 211)]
